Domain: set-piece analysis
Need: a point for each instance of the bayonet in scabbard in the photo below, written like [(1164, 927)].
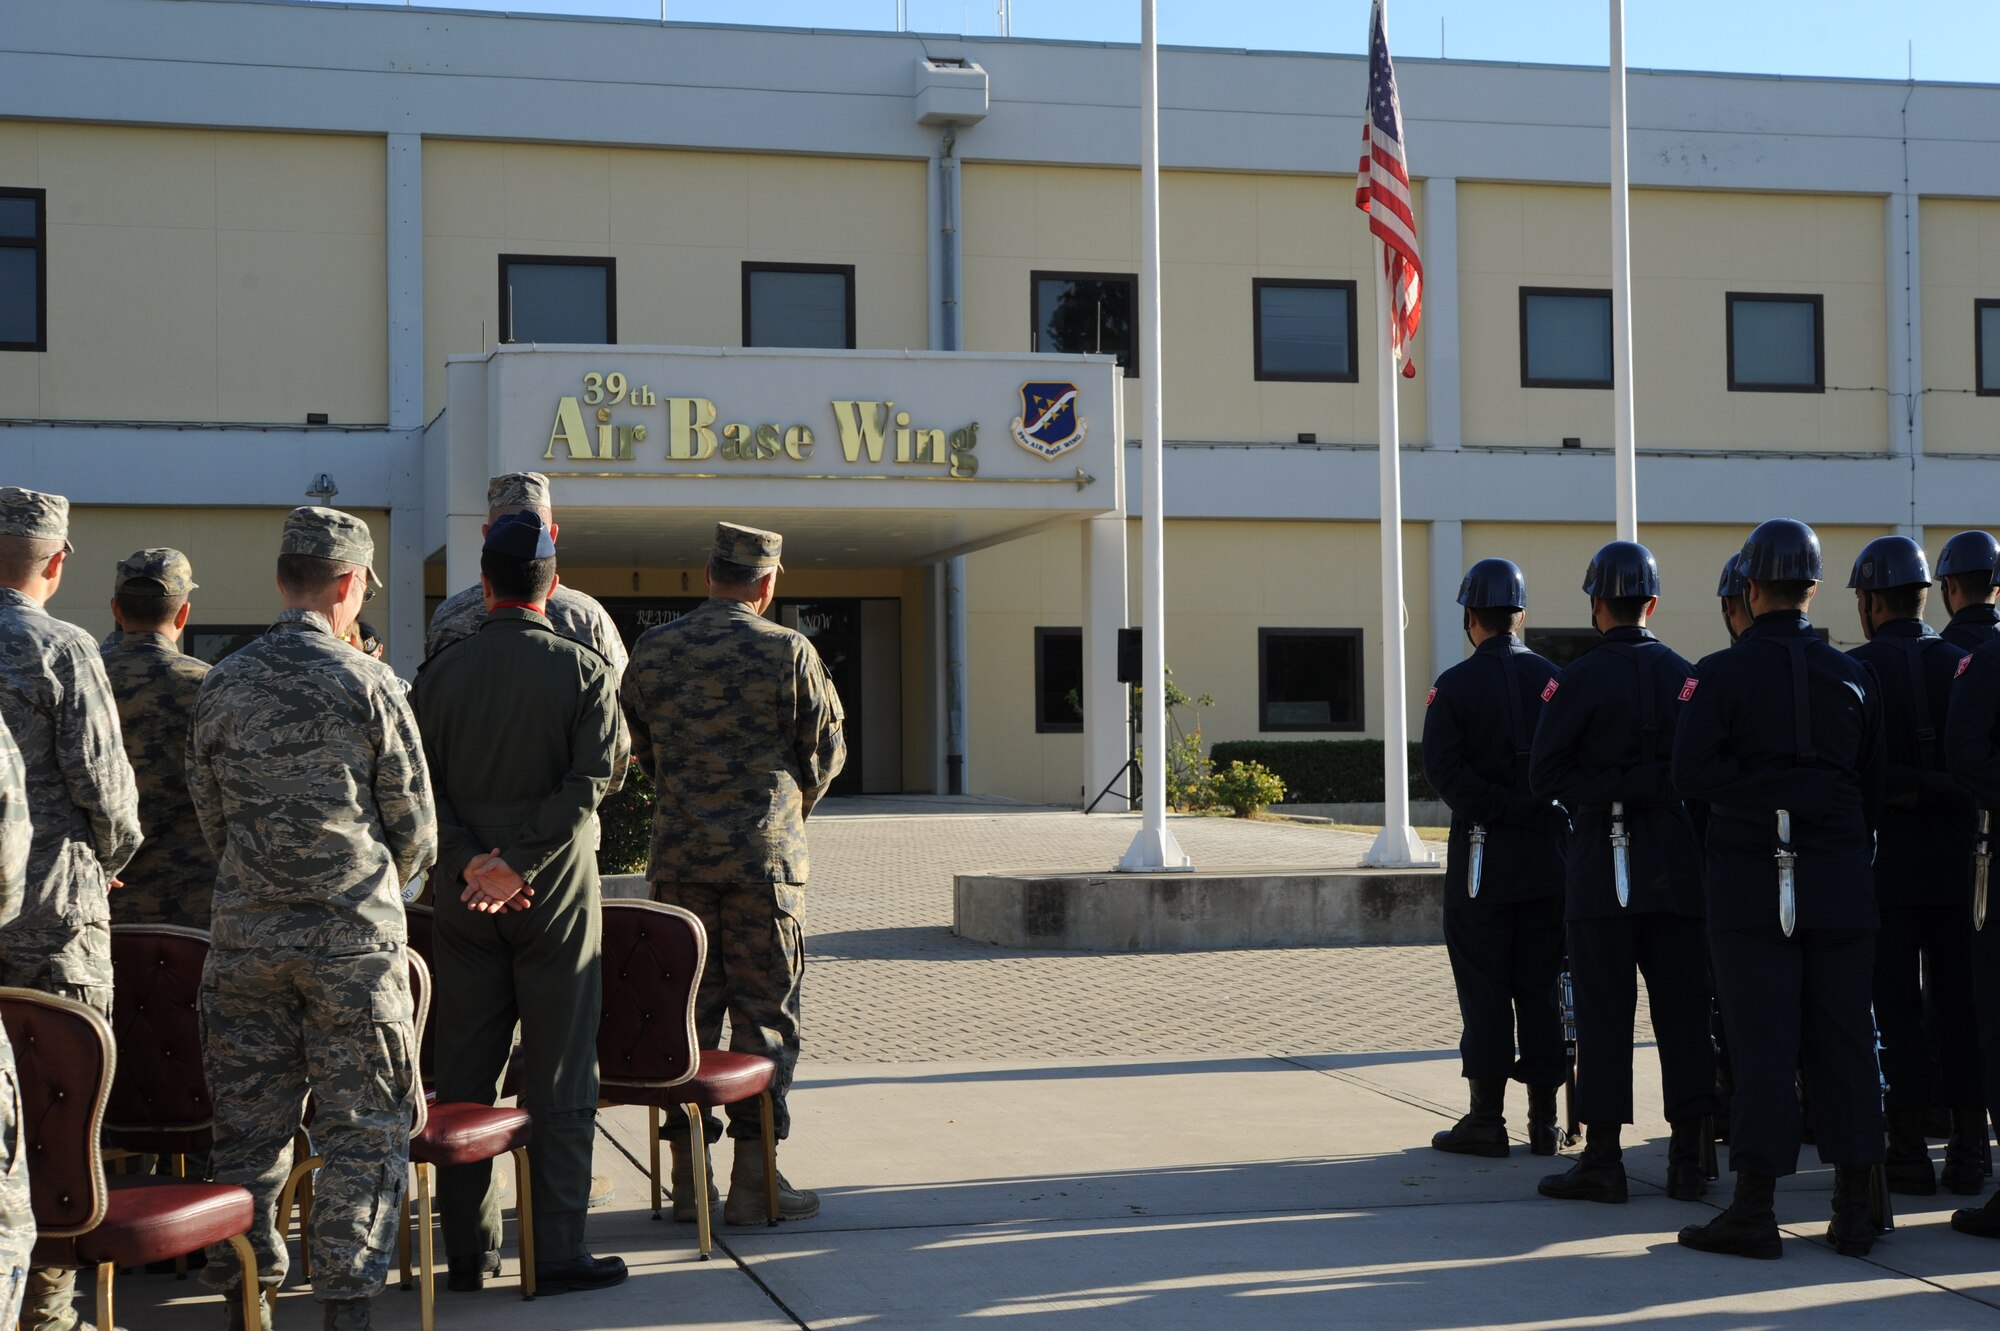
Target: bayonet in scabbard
[(1477, 859), (1788, 876), (1621, 854), (1982, 868), (1568, 1004)]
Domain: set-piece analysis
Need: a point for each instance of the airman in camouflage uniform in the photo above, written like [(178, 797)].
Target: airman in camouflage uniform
[(172, 877), (17, 1215), (85, 811), (736, 720), (308, 775)]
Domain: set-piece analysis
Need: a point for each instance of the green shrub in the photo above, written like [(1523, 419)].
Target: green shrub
[(1246, 788), (628, 826), (1324, 771)]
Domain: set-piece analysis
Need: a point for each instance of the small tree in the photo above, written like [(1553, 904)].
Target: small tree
[(1188, 768)]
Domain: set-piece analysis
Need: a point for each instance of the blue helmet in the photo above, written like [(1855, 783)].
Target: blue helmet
[(1968, 552), (1622, 569), (1890, 561), (1733, 582), (1492, 584), (1782, 550)]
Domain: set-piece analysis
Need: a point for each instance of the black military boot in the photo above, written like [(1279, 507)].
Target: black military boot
[(1598, 1174), (1982, 1222), (1965, 1154), (1542, 1120), (1749, 1228), (1908, 1164), (1853, 1230), (1483, 1130), (1686, 1179)]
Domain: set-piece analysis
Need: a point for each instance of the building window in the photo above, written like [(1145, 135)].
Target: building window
[(1058, 681), (1777, 344), (24, 270), (212, 642), (1304, 330), (1565, 338), (555, 298), (798, 305), (1561, 646), (1088, 312), (1309, 679), (1986, 345)]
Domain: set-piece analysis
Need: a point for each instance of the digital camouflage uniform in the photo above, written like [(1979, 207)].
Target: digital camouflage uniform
[(172, 877), (17, 1216), (56, 702), (308, 776), (737, 722)]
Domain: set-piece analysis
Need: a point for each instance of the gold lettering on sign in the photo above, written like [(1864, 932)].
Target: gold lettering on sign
[(798, 442), (963, 463), (569, 431), (863, 425), (688, 437)]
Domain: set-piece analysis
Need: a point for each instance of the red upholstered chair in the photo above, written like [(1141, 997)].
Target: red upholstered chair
[(159, 1099), (646, 1047), (65, 1063)]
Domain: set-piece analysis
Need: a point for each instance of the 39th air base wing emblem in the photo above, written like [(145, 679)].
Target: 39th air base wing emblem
[(1048, 425)]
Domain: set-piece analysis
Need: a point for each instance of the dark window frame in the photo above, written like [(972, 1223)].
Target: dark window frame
[(1258, 285), (1264, 722), (1037, 276), (844, 270), (1979, 308), (40, 245), (1536, 638), (1817, 301), (1042, 636), (607, 263), (194, 631), (1530, 381)]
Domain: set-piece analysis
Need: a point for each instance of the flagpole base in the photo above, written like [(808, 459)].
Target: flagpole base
[(1398, 848), (1155, 852)]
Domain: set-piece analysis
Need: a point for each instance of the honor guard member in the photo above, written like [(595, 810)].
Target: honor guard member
[(1965, 574), (1503, 888), (172, 877), (85, 811), (1923, 878), (1781, 736), (17, 1215), (1604, 750), (308, 775), (736, 721), (519, 726), (1731, 591)]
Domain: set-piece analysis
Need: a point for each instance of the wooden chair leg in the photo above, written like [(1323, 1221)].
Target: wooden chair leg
[(770, 1159), (180, 1168), (653, 1137), (427, 1268), (298, 1187), (105, 1271), (524, 1221), (249, 1287), (698, 1148), (403, 1239)]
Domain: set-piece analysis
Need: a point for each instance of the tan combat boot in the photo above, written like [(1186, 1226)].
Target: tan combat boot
[(682, 1183), (746, 1205)]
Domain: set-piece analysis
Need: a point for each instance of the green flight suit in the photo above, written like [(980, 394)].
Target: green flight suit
[(519, 727)]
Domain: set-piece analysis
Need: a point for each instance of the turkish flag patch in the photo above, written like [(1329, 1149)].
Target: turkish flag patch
[(1550, 691), (1687, 689), (1432, 696), (1963, 662)]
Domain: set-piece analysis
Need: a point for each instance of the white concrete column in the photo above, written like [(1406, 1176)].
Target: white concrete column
[(1105, 739), (1447, 554), (403, 618), (1439, 334)]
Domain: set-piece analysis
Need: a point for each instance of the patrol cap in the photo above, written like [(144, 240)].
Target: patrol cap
[(1968, 552), (520, 535), (1622, 569), (1782, 550), (37, 516), (156, 571), (1493, 584), (1890, 561), (747, 547), (1733, 582), (518, 489), (328, 533)]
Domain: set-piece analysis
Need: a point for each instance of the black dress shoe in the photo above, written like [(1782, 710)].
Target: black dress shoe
[(580, 1272), (468, 1274)]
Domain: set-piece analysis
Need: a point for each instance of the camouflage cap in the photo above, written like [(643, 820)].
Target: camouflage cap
[(518, 489), (157, 571), (37, 516), (748, 547), (329, 534)]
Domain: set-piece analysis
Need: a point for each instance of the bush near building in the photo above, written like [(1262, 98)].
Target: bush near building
[(1324, 771), (1245, 789), (628, 826)]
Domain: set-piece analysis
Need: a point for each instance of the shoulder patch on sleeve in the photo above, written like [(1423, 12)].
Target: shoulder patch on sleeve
[(1550, 691), (1963, 662), (1687, 689), (1432, 696)]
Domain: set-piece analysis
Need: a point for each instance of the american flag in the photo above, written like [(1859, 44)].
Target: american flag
[(1382, 189)]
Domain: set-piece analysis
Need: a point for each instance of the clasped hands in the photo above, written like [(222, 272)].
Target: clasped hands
[(492, 886)]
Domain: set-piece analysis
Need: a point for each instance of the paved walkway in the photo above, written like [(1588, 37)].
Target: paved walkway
[(1196, 1141)]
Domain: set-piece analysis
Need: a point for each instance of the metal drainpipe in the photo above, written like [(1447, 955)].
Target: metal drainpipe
[(952, 328)]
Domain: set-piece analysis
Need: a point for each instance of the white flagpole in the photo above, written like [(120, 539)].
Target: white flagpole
[(1625, 452), (1154, 849), (1396, 846)]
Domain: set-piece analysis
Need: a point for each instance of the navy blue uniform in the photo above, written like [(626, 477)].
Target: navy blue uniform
[(1506, 947), (1608, 735), (1783, 721), (1923, 874), (1972, 751), (1972, 626)]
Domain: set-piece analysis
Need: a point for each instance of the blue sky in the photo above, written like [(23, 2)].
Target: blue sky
[(1955, 40)]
